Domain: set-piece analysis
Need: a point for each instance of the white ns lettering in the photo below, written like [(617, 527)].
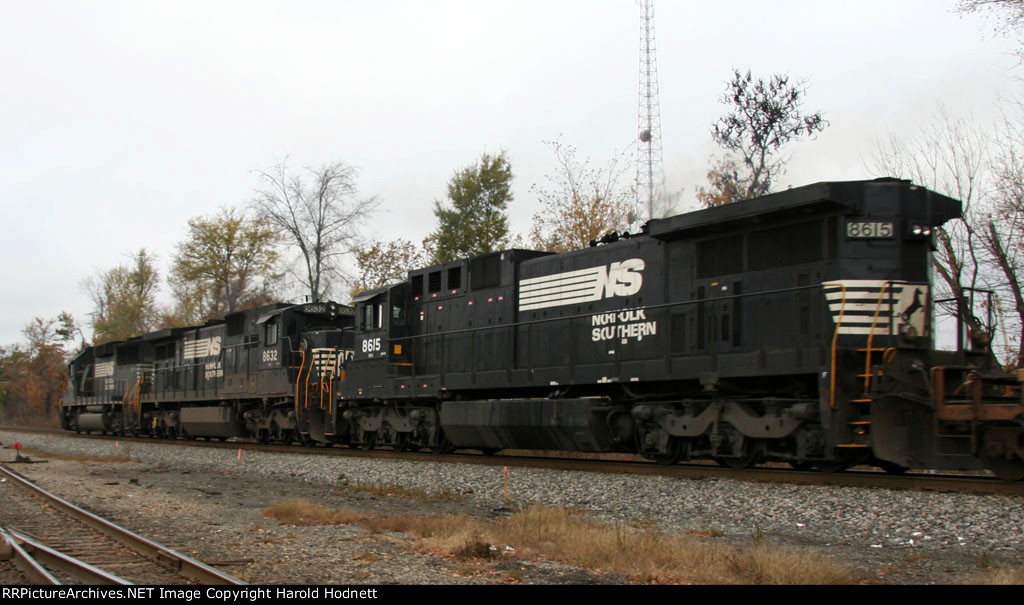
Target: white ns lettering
[(624, 278)]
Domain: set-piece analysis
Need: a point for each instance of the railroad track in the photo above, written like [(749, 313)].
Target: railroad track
[(49, 540), (920, 480)]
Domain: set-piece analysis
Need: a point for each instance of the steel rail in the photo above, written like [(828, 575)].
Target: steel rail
[(913, 480), (175, 561), (33, 570), (57, 560)]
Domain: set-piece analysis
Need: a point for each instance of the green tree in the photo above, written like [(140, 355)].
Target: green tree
[(124, 299), (582, 203), (475, 223), (765, 115), (321, 214), (227, 264)]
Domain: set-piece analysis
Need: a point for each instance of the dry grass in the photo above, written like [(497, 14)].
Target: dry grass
[(1002, 576), (304, 512), (643, 555)]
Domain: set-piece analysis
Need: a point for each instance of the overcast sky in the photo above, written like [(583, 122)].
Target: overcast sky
[(119, 121)]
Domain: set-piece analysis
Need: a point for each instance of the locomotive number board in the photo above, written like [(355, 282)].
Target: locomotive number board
[(869, 229)]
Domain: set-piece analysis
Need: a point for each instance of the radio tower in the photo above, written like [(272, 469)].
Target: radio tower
[(649, 174)]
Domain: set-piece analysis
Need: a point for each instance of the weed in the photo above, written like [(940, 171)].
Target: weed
[(303, 512), (468, 570), (474, 548), (369, 557), (391, 491), (757, 537), (706, 533), (514, 575), (645, 523), (1000, 576), (646, 555)]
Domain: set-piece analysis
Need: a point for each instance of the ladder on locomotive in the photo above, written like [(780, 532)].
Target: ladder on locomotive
[(859, 430), (324, 363), (131, 402)]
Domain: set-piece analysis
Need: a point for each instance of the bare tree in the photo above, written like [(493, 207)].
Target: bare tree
[(583, 202), (950, 157), (985, 170), (1009, 14), (1002, 235), (765, 115), (320, 212)]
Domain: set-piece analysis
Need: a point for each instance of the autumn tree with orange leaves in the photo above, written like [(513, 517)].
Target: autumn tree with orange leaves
[(581, 203), (32, 375)]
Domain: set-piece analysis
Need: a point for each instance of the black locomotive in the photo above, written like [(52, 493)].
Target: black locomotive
[(794, 327)]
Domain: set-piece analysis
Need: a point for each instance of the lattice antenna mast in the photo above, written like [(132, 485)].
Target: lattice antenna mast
[(649, 173)]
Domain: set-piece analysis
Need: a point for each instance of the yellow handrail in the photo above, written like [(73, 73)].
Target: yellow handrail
[(330, 384), (835, 345), (871, 336), (133, 400), (298, 382)]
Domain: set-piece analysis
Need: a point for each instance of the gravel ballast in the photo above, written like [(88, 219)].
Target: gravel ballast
[(885, 535)]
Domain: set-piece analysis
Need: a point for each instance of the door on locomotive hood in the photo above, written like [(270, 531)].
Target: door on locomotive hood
[(718, 295), (270, 356)]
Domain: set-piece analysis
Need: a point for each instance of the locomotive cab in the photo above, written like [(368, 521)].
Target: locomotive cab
[(381, 349)]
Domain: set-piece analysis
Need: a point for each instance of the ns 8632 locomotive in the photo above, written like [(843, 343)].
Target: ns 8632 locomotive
[(795, 327)]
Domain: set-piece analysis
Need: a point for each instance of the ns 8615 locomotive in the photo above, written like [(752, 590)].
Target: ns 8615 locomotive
[(795, 327)]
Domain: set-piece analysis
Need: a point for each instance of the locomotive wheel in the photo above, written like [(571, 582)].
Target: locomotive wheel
[(402, 442), (738, 462), (445, 447), (369, 440), (891, 468), (673, 456), (749, 456), (800, 465), (1006, 470), (833, 466)]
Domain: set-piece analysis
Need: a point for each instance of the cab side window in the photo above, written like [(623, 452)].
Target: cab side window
[(372, 317)]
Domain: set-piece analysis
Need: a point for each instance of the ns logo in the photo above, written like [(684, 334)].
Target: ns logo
[(622, 278)]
